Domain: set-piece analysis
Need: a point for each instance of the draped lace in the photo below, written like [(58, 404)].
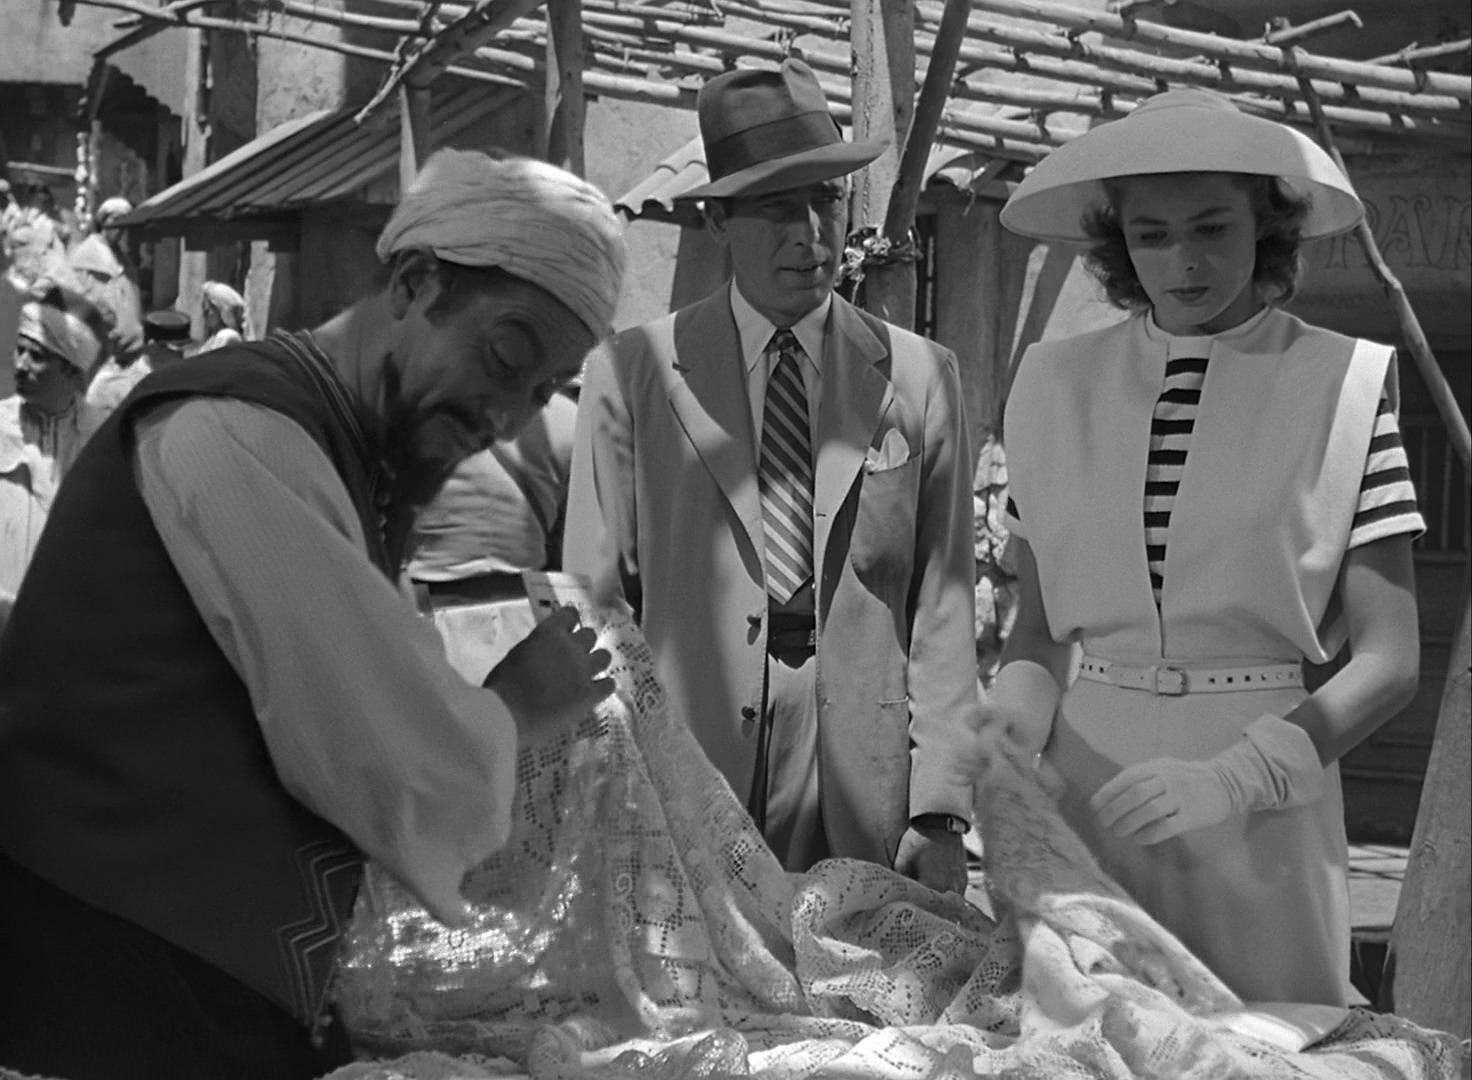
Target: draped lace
[(635, 925)]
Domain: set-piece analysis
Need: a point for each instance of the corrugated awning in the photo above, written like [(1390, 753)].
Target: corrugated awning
[(657, 197), (318, 158)]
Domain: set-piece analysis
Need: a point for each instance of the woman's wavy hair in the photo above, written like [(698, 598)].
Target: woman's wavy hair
[(1279, 215)]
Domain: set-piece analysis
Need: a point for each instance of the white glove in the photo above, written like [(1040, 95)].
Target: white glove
[(1022, 701), (1273, 766)]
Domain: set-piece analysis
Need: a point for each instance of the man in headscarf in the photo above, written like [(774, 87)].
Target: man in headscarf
[(203, 735), (58, 339), (222, 314), (104, 270)]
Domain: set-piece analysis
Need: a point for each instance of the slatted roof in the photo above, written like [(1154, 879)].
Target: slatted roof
[(318, 158)]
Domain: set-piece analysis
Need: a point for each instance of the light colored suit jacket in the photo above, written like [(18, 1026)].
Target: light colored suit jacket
[(664, 507)]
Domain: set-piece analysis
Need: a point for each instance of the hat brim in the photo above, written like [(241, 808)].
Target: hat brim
[(1052, 199), (791, 171)]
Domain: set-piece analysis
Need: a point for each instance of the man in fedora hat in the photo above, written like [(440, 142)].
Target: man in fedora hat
[(780, 484)]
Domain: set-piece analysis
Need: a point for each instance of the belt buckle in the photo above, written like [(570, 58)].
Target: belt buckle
[(1170, 682)]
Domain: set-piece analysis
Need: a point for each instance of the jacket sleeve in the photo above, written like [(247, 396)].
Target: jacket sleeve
[(944, 697), (600, 535)]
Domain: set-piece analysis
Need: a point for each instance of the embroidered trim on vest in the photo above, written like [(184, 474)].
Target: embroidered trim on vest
[(322, 866)]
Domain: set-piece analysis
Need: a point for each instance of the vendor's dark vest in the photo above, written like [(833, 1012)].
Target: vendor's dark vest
[(133, 773)]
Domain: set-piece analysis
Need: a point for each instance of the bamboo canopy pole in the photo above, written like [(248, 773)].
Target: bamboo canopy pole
[(1412, 53), (1136, 74), (1255, 55), (1215, 76)]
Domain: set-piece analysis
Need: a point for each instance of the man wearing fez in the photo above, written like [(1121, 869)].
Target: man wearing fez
[(203, 734), (780, 484)]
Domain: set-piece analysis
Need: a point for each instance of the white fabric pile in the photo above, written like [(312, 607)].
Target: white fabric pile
[(636, 925)]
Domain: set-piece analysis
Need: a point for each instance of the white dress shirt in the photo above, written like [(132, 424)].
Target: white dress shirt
[(756, 332)]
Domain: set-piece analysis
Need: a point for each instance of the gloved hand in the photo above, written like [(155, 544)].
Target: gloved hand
[(1273, 766), (1022, 701)]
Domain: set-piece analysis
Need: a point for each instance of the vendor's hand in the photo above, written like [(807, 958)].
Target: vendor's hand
[(553, 678), (935, 858)]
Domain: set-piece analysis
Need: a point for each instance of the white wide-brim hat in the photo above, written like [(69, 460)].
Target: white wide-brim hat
[(1180, 131)]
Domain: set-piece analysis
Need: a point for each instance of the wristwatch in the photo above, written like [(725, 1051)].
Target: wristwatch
[(951, 823)]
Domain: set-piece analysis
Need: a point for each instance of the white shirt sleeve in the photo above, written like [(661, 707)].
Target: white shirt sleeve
[(366, 722)]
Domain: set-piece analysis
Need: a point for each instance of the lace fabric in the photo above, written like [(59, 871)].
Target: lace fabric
[(635, 925)]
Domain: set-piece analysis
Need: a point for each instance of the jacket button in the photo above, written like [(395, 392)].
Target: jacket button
[(748, 712), (755, 620)]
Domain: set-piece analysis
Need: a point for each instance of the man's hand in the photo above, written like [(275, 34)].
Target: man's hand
[(935, 858), (552, 679)]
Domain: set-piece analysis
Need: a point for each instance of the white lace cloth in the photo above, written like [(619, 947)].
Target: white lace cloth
[(637, 926)]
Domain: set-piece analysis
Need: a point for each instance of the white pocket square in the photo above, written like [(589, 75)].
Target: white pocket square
[(893, 452)]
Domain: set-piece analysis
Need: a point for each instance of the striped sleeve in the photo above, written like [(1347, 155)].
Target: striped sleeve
[(1387, 502)]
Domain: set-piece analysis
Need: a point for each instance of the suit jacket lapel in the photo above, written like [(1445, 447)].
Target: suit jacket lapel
[(856, 395), (710, 402)]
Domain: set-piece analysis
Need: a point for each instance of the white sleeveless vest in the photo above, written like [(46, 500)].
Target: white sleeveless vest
[(1267, 498)]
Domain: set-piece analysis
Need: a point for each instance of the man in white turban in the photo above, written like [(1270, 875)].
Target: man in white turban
[(104, 271), (59, 337), (204, 735)]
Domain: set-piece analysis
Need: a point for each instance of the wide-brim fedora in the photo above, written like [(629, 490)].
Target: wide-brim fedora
[(1179, 131), (770, 130)]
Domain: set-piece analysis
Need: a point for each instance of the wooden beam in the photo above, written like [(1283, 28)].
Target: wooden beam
[(565, 105)]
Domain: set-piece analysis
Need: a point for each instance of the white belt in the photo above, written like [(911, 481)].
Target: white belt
[(1174, 680)]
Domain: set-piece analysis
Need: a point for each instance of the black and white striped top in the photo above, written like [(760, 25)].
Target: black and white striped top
[(1387, 501)]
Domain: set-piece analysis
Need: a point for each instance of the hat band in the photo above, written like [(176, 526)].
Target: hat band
[(775, 139)]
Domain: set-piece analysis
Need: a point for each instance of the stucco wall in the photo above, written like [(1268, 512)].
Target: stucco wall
[(624, 141)]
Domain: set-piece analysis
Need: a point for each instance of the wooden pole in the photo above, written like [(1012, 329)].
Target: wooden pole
[(883, 102), (1428, 968), (565, 107), (414, 132), (905, 197), (890, 282)]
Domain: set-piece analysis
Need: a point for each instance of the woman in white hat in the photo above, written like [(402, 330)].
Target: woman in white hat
[(1204, 496)]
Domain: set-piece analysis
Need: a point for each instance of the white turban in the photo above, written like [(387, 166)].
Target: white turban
[(114, 207), (531, 219), (229, 303), (59, 332)]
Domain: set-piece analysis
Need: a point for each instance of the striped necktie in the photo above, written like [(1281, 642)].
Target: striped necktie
[(786, 473)]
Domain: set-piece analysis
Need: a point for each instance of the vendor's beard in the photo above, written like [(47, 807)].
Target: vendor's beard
[(421, 451)]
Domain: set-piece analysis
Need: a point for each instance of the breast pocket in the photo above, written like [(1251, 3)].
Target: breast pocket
[(882, 548)]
